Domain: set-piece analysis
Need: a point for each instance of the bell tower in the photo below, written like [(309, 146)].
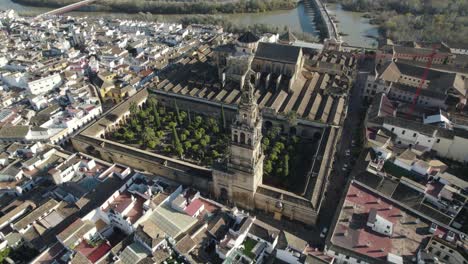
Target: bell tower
[(246, 131), (245, 165)]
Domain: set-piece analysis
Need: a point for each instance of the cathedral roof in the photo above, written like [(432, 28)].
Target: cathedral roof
[(278, 52), (248, 37)]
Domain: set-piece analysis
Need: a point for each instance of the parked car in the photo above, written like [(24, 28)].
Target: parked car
[(324, 232)]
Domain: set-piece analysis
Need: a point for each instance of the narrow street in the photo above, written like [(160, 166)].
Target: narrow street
[(339, 177)]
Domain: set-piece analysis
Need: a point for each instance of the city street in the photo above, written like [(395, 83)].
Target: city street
[(339, 177)]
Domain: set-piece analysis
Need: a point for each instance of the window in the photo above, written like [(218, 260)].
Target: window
[(403, 132), (393, 129), (438, 140), (414, 135), (446, 257)]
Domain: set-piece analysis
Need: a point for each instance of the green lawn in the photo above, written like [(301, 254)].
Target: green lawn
[(249, 244)]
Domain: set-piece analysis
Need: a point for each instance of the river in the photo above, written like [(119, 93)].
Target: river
[(357, 29), (299, 19)]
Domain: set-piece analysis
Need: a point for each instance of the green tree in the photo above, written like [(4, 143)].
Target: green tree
[(273, 132), (199, 133), (129, 136), (215, 154), (278, 147), (4, 254), (183, 116), (176, 143), (148, 135), (188, 145), (207, 138), (179, 120), (175, 137), (133, 108), (268, 167), (157, 119), (265, 143), (195, 148), (152, 144), (179, 150), (198, 121), (142, 115), (160, 134)]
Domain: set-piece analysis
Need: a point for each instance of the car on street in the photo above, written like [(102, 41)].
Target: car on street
[(348, 152), (324, 232)]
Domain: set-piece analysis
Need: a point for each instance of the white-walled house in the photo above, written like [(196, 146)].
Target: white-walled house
[(447, 143), (44, 84)]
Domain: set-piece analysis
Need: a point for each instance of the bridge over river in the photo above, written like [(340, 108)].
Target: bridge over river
[(67, 8), (358, 31)]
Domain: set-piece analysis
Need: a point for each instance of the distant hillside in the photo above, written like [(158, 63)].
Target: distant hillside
[(427, 20), (176, 6)]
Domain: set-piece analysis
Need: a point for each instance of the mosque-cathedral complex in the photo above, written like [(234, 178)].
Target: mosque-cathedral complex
[(258, 84)]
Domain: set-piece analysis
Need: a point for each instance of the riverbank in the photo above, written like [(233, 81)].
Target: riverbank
[(300, 20), (416, 20), (175, 7)]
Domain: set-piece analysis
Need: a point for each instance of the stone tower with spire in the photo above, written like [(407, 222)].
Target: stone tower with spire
[(238, 181)]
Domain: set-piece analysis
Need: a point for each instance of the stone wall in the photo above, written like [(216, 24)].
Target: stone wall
[(304, 128), (293, 207), (290, 210), (195, 105), (181, 172)]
